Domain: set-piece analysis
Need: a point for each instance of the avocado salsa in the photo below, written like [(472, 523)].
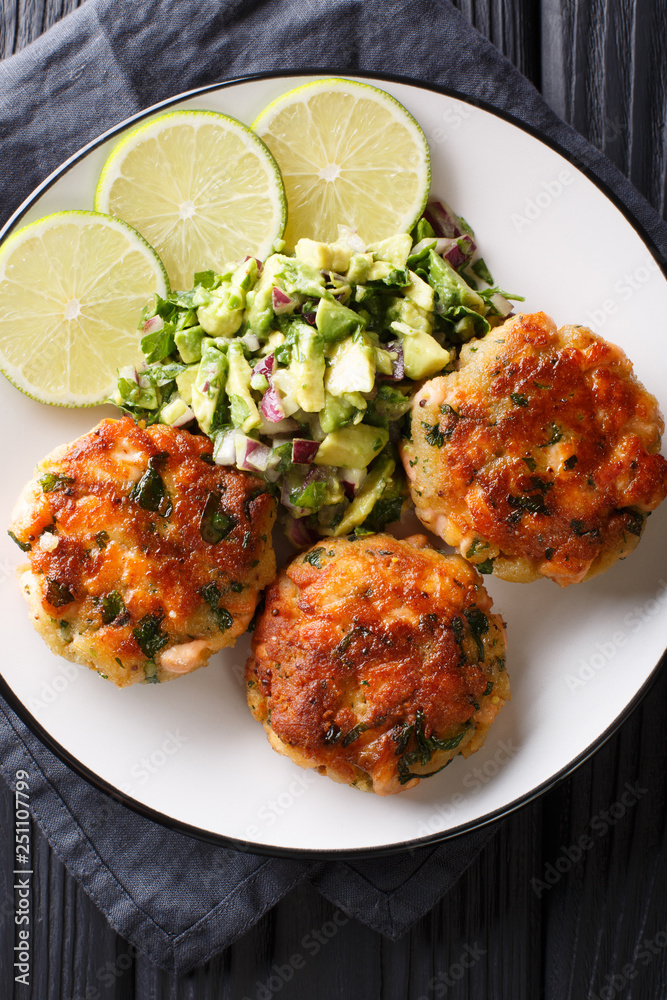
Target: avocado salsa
[(301, 369)]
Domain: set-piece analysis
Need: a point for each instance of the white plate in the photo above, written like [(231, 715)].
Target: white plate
[(189, 750)]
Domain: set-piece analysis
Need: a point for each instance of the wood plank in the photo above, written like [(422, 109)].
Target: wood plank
[(603, 71)]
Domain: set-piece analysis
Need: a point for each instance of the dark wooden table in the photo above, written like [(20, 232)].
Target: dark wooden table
[(600, 929)]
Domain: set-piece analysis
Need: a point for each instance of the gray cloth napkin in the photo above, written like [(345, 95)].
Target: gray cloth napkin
[(178, 899)]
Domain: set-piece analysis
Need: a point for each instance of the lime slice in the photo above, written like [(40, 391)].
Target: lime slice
[(201, 187), (72, 287), (350, 155)]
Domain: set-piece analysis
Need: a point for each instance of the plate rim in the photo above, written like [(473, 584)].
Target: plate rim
[(250, 847)]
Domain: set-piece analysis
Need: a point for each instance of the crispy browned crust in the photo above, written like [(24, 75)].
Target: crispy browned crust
[(158, 562), (376, 633), (540, 453)]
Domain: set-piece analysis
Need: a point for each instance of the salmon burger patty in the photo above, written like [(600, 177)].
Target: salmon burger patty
[(145, 556), (377, 661), (539, 456)]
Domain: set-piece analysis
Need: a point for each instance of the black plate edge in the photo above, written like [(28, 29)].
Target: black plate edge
[(411, 845)]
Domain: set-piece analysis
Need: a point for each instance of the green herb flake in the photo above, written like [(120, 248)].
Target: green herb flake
[(314, 557), (479, 626), (111, 607), (635, 521), (549, 554), (101, 539), (216, 524), (530, 462), (489, 687), (532, 504), (150, 672), (426, 747), (150, 492), (570, 462), (52, 481), (555, 436), (354, 734), (24, 546), (519, 399), (149, 636), (332, 734), (434, 435), (58, 594), (485, 567), (211, 595)]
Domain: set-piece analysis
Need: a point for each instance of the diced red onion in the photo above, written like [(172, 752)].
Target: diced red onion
[(206, 386), (351, 238), (265, 366), (281, 302), (397, 363), (153, 324), (304, 451), (443, 220), (251, 455), (272, 427), (309, 317), (251, 341), (460, 252), (424, 244), (259, 263), (271, 406), (184, 418), (500, 303), (298, 533), (351, 480), (225, 449)]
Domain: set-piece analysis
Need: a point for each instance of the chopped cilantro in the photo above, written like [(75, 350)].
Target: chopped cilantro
[(216, 524), (519, 399), (148, 634), (53, 480), (570, 462), (150, 492), (58, 594), (24, 546), (434, 435), (314, 557)]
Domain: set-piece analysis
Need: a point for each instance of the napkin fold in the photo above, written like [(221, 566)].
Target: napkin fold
[(178, 899)]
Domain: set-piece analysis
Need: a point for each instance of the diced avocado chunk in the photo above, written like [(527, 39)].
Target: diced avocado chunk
[(420, 292), (298, 278), (174, 410), (359, 268), (372, 489), (208, 389), (335, 321), (189, 343), (395, 249), (323, 256), (259, 309), (351, 367), (352, 447), (185, 382), (308, 367), (450, 288), (422, 354), (339, 411), (222, 313), (244, 412), (408, 312)]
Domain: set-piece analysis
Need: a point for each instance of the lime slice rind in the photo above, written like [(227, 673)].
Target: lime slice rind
[(72, 287), (187, 180)]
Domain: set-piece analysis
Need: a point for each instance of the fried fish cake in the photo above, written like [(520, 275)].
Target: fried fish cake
[(145, 556), (540, 455), (376, 661)]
